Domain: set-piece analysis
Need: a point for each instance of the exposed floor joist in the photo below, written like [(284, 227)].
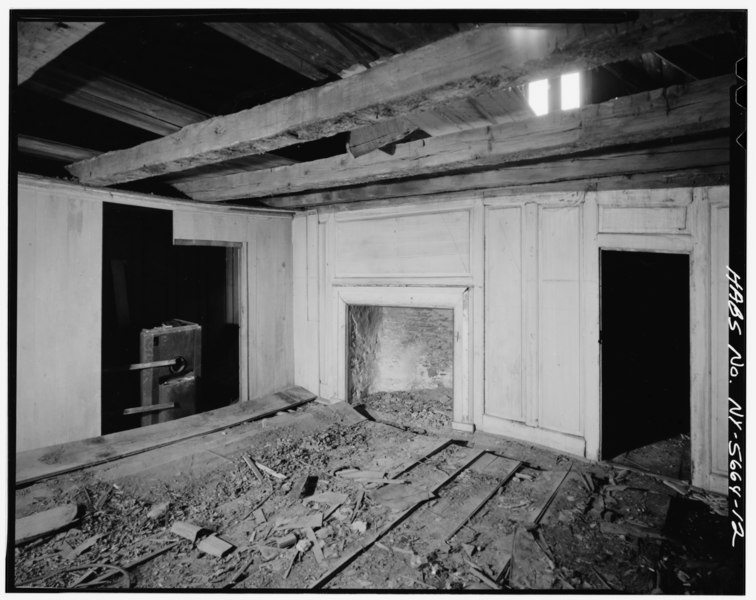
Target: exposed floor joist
[(28, 144), (39, 42), (111, 97), (491, 57), (673, 112)]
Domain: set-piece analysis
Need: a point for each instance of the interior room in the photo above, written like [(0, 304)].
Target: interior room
[(360, 300)]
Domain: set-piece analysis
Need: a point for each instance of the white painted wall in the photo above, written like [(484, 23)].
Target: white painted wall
[(530, 265), (59, 325), (58, 319)]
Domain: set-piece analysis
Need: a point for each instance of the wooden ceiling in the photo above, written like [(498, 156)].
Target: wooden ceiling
[(251, 109)]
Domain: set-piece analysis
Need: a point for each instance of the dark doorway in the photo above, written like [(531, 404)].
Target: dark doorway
[(149, 282), (645, 352)]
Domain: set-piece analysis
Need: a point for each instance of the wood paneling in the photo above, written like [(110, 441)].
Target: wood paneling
[(422, 245), (720, 238), (266, 353), (305, 317), (58, 318), (75, 190), (503, 309), (60, 301), (210, 227), (271, 356), (559, 319)]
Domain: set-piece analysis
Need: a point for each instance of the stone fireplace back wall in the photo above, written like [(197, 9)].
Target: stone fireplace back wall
[(399, 349)]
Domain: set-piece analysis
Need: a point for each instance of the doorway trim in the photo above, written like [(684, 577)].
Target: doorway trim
[(237, 288), (698, 329)]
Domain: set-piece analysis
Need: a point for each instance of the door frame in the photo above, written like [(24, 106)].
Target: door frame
[(698, 329)]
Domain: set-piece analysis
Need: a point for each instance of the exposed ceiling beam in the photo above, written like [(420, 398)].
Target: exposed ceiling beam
[(111, 97), (185, 179), (700, 161), (673, 112), (96, 92), (366, 139), (675, 66), (495, 56), (39, 42), (276, 42), (52, 150)]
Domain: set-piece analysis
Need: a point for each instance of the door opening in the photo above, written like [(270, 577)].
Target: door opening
[(161, 303), (645, 360)]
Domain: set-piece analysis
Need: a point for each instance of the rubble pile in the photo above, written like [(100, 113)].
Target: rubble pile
[(422, 409)]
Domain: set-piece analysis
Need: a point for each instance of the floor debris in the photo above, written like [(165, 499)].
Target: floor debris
[(421, 512), (189, 531), (158, 510), (44, 523), (215, 546)]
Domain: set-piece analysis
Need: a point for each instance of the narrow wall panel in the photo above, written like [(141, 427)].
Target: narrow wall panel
[(412, 245), (305, 299), (59, 318), (503, 320), (271, 340), (720, 221), (559, 318)]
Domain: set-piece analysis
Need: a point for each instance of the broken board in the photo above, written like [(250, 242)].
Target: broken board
[(41, 463), (43, 523), (531, 568)]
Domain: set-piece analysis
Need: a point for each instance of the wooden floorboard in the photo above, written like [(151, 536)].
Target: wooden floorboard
[(42, 463)]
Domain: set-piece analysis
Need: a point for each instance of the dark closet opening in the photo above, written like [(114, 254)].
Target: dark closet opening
[(645, 359), (148, 282)]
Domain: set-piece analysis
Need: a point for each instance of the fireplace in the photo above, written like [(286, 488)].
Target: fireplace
[(397, 349), (454, 300)]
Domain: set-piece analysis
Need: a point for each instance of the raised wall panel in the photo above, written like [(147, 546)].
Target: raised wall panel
[(58, 319), (720, 221), (415, 245), (503, 310), (559, 318), (626, 219), (305, 299)]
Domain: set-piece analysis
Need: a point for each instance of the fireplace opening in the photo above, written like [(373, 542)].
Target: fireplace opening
[(400, 364)]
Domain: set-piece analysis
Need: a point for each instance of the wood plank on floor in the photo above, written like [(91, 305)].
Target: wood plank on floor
[(499, 468), (454, 512), (42, 463)]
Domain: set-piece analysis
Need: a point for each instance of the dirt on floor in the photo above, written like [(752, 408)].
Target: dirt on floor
[(428, 410), (366, 505)]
